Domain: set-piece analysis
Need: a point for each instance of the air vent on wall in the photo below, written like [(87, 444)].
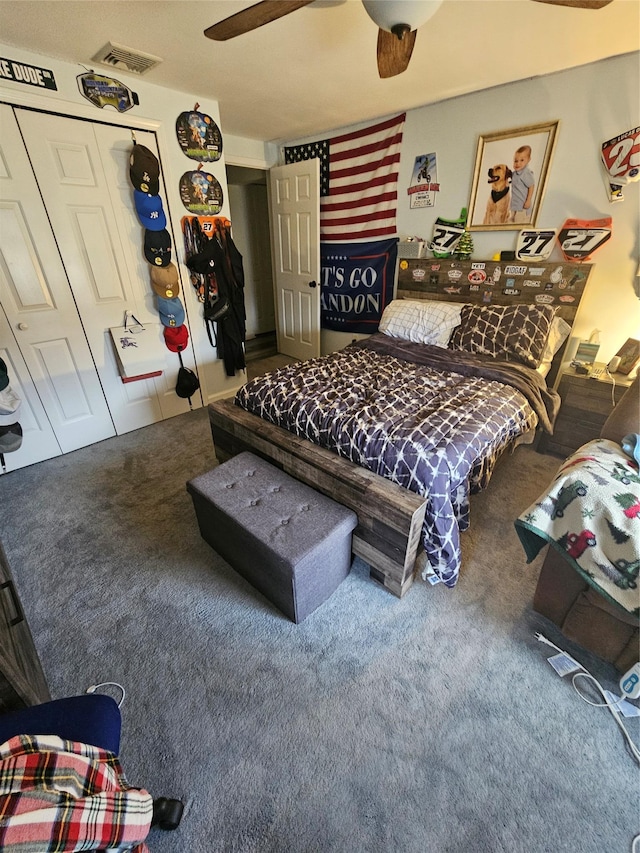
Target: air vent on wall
[(126, 59)]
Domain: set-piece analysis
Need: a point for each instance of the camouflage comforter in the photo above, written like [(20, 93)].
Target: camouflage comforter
[(431, 420)]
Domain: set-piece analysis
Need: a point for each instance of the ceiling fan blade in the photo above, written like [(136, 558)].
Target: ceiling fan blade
[(394, 53), (253, 17), (578, 4)]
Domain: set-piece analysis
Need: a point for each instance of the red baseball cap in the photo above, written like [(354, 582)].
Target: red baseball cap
[(176, 337)]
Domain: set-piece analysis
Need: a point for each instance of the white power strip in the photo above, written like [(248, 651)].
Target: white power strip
[(564, 664), (630, 682)]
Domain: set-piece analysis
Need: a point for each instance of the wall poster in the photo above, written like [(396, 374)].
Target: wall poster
[(424, 182), (201, 193), (199, 136)]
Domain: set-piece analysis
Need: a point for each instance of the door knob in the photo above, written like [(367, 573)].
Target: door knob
[(312, 284), (23, 327)]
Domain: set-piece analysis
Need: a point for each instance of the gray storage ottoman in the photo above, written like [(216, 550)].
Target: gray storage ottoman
[(287, 540)]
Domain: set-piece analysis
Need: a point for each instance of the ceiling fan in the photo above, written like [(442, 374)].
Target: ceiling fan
[(397, 20)]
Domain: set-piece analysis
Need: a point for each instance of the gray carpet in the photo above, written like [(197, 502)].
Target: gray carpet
[(433, 723)]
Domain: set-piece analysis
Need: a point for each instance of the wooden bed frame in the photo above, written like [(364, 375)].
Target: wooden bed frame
[(389, 517)]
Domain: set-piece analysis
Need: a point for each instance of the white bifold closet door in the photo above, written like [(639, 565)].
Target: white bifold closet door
[(82, 170), (71, 264), (41, 336)]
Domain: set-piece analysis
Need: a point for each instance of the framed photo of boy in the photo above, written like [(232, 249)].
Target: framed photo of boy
[(510, 176)]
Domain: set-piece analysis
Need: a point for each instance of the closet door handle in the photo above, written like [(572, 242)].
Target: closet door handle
[(313, 284), (23, 327), (16, 603)]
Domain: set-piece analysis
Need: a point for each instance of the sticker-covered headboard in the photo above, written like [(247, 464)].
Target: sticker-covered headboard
[(495, 282)]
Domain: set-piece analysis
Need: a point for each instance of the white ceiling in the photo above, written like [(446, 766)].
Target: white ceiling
[(315, 70)]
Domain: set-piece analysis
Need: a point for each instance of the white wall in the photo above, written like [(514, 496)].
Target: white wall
[(250, 152), (594, 103), (158, 110)]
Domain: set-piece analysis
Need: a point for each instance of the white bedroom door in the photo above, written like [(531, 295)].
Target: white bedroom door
[(294, 207), (41, 335), (82, 169)]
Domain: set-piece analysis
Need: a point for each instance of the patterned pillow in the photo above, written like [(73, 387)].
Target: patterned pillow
[(420, 321), (557, 336), (510, 332)]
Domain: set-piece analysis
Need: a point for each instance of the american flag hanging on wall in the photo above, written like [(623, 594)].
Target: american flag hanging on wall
[(358, 180)]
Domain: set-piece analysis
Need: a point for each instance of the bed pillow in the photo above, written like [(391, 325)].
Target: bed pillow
[(557, 336), (510, 332), (421, 321)]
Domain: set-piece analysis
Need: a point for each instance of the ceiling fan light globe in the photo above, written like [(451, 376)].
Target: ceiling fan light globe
[(389, 13)]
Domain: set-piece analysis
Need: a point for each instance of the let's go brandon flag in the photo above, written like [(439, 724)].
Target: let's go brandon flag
[(358, 180)]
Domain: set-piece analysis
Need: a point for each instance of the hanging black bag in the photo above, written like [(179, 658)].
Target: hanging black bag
[(217, 309)]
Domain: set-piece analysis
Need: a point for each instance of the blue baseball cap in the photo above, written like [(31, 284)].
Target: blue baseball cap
[(149, 210), (171, 311)]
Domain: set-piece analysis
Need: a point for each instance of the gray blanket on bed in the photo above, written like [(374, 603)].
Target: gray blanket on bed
[(543, 400), (429, 419)]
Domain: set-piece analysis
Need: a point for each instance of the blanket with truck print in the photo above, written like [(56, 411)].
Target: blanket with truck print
[(591, 515)]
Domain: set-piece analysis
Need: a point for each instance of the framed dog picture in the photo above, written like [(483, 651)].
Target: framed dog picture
[(510, 176)]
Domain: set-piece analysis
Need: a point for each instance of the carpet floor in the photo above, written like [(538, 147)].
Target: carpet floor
[(378, 725)]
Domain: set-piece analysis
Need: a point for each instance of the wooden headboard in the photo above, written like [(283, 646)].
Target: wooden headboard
[(495, 282)]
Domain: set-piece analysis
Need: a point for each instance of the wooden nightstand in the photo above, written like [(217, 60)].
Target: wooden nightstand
[(22, 680), (586, 404)]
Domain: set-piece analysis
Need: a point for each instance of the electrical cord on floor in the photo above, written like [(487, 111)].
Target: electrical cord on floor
[(93, 687), (612, 706), (635, 844), (613, 385)]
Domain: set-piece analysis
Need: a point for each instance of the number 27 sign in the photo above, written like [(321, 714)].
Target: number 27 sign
[(579, 238), (621, 157)]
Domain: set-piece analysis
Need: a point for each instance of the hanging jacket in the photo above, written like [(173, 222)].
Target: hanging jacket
[(220, 258)]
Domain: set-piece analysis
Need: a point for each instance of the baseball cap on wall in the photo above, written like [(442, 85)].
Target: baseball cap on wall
[(144, 170), (204, 261), (4, 375), (171, 311), (150, 211), (176, 337), (10, 438), (10, 404), (187, 383), (165, 282), (157, 247)]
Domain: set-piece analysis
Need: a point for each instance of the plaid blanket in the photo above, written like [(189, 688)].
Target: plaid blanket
[(58, 795)]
